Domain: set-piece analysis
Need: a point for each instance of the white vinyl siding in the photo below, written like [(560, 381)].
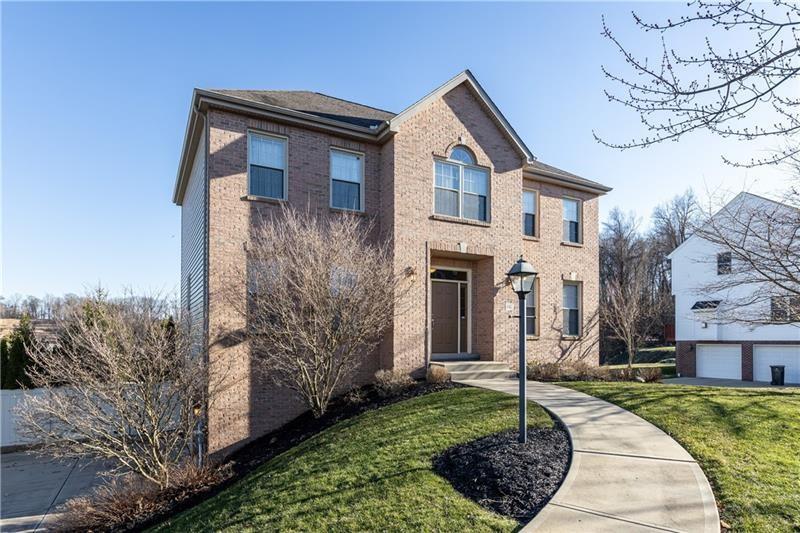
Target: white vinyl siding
[(266, 163), (572, 220), (193, 248), (347, 180)]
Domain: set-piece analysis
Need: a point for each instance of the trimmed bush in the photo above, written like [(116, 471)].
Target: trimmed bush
[(391, 382), (649, 374), (437, 374)]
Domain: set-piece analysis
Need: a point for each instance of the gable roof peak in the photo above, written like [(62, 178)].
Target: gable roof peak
[(466, 77)]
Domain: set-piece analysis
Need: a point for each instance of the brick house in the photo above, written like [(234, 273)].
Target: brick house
[(447, 180)]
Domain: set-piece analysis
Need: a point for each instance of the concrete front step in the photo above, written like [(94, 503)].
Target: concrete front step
[(460, 370), (482, 374)]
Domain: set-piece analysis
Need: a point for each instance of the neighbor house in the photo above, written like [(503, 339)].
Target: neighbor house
[(447, 181), (728, 324)]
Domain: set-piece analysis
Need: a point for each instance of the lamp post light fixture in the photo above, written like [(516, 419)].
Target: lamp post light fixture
[(522, 276)]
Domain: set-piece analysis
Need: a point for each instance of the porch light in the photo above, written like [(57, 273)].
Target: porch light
[(521, 277)]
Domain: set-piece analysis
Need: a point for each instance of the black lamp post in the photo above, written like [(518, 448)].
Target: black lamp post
[(521, 277)]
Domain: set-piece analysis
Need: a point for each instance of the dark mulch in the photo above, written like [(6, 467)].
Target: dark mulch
[(504, 476), (254, 454)]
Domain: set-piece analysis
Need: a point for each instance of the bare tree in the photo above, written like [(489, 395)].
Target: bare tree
[(321, 294), (759, 278), (119, 385), (630, 308), (747, 93)]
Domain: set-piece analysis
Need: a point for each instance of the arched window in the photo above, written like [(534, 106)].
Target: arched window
[(461, 189), (462, 154)]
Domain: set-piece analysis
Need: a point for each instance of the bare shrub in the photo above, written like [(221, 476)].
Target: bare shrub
[(437, 374), (122, 383), (392, 382), (544, 371), (320, 294), (622, 374), (130, 499), (649, 374), (355, 396)]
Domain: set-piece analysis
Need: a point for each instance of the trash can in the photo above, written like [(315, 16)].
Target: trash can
[(778, 372)]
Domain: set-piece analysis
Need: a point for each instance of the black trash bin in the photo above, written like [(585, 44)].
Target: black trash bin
[(778, 372)]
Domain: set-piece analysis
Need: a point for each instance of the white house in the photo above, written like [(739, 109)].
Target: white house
[(722, 326)]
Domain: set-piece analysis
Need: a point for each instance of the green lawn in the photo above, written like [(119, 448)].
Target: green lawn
[(652, 354), (370, 473), (746, 440)]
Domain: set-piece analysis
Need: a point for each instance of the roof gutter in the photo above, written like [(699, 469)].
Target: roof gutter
[(561, 179)]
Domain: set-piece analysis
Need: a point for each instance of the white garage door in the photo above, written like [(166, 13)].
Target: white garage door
[(765, 355), (719, 361)]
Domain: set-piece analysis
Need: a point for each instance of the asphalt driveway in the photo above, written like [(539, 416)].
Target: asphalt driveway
[(33, 487)]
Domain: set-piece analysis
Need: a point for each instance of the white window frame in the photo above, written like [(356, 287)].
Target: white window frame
[(579, 286), (330, 178), (285, 141), (580, 219), (536, 299), (537, 216), (461, 166)]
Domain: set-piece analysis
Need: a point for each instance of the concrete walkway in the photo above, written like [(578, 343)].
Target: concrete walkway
[(625, 475), (33, 487)]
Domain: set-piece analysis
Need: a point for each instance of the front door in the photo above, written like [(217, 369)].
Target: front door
[(449, 312)]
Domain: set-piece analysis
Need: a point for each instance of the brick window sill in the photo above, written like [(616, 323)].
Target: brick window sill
[(530, 238), (456, 220), (265, 199), (348, 211), (531, 337), (571, 337), (572, 244)]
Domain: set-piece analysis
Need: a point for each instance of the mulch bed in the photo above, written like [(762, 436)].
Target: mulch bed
[(504, 476), (259, 451)]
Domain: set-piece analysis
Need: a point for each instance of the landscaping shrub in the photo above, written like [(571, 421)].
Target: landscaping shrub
[(131, 499), (577, 371), (391, 382), (355, 396), (649, 374), (437, 374), (622, 374), (17, 361)]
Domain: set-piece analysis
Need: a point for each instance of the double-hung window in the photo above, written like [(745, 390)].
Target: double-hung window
[(347, 180), (530, 311), (572, 310), (266, 158), (529, 213), (572, 217), (461, 188), (723, 263)]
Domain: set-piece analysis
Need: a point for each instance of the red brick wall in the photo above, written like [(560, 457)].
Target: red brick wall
[(399, 198)]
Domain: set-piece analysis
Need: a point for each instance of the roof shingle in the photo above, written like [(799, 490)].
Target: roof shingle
[(317, 104)]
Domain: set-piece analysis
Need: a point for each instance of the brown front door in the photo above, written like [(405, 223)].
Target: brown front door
[(445, 317)]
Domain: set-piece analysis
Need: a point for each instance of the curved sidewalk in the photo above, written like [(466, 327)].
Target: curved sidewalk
[(625, 474)]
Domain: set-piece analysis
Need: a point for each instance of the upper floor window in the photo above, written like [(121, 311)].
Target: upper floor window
[(461, 189), (529, 201), (347, 180), (785, 308), (723, 263), (462, 154), (266, 162), (572, 217), (572, 310)]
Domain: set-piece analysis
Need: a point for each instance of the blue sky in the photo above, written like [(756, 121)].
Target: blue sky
[(95, 99)]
